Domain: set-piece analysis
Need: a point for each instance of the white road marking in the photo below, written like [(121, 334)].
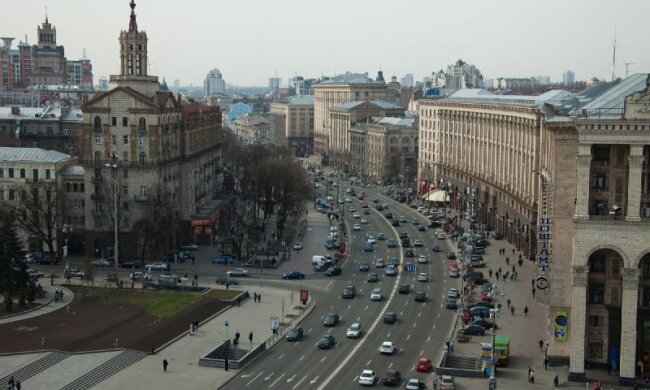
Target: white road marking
[(269, 376), (369, 361), (281, 356), (313, 380), (323, 359), (388, 335), (256, 376), (309, 330), (329, 330), (299, 382), (408, 337), (390, 365), (291, 379), (414, 324), (276, 381), (303, 356), (349, 307), (332, 306), (419, 314), (428, 339)]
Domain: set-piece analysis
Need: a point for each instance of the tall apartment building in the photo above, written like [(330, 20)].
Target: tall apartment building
[(463, 75), (338, 90), (80, 73), (158, 151), (568, 78), (274, 83), (214, 83), (408, 81), (48, 59), (292, 123)]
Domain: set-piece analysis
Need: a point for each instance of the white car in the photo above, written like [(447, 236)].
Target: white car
[(238, 272), (453, 293), (354, 331), (157, 267), (447, 382), (387, 347), (356, 227), (423, 277), (348, 199), (297, 246), (441, 236), (370, 237), (367, 378), (422, 259), (376, 294), (415, 384), (138, 275), (356, 215), (101, 263), (363, 220)]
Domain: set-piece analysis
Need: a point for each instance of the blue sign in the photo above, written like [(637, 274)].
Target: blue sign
[(410, 267), (226, 323)]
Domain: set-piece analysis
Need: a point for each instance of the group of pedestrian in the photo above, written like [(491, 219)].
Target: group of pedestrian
[(257, 297), (13, 384), (450, 345), (58, 295)]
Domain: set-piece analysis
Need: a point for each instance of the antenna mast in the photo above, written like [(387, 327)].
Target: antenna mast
[(614, 57)]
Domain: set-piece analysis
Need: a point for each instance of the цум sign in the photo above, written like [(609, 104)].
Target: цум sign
[(544, 254)]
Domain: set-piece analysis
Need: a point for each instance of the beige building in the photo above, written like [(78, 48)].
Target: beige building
[(292, 123), (391, 150), (47, 59), (338, 90), (252, 128), (565, 177)]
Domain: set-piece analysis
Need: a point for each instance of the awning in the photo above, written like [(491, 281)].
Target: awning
[(436, 196)]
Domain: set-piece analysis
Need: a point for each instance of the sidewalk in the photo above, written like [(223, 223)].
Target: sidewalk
[(47, 304)]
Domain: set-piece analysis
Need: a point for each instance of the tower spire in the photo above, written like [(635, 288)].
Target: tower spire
[(133, 25), (46, 15)]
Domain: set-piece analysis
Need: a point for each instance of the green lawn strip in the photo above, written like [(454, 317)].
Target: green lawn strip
[(171, 303), (223, 294)]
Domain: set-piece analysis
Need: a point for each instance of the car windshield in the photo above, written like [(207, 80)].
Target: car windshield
[(355, 327)]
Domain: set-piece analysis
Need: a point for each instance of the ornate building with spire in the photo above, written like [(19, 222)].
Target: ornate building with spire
[(48, 62), (158, 156)]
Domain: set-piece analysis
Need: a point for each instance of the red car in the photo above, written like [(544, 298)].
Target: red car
[(453, 266), (423, 365)]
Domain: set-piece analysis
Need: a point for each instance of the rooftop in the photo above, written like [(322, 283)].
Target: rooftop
[(34, 155), (379, 103), (49, 112), (351, 78)]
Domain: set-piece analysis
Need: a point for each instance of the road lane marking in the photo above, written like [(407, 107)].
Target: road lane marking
[(414, 324), (428, 339), (422, 352), (323, 359), (291, 379), (299, 382), (256, 376), (390, 365), (303, 356), (329, 330), (358, 319), (281, 356), (276, 381), (313, 380), (419, 314), (369, 361), (408, 337), (388, 335), (309, 330), (269, 376), (332, 306)]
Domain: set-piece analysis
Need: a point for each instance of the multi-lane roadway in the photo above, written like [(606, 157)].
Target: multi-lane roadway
[(421, 330)]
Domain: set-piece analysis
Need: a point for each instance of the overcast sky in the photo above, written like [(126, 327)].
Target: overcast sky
[(250, 40)]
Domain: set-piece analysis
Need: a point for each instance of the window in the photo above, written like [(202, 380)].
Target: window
[(114, 138), (49, 130), (125, 139), (75, 187), (68, 187), (142, 193), (600, 181), (596, 293), (35, 174), (142, 140), (97, 123), (125, 121), (2, 172), (47, 174), (126, 173), (142, 124), (142, 159), (114, 121), (125, 156), (596, 321), (82, 187), (22, 173), (98, 140), (2, 194), (601, 153)]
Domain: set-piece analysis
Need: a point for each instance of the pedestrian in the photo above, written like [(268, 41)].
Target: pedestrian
[(507, 260), (546, 363), (556, 379), (496, 275), (513, 251), (18, 385), (165, 364), (526, 311), (541, 344), (451, 345), (512, 309), (508, 302), (529, 371), (490, 272), (505, 276), (447, 344), (513, 268), (434, 382), (52, 280), (250, 337), (227, 285), (225, 364), (532, 283), (238, 301), (512, 276), (254, 297), (520, 262), (237, 335), (516, 273), (259, 297), (531, 377), (533, 291), (500, 270)]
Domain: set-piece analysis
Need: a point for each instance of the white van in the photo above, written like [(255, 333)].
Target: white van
[(318, 261)]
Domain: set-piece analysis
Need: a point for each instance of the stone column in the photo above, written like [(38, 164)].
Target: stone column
[(578, 320), (634, 183), (582, 193), (628, 325)]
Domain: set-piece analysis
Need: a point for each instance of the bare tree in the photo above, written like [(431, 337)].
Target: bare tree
[(157, 223)]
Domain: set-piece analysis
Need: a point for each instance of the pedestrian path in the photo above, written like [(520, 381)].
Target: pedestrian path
[(46, 304)]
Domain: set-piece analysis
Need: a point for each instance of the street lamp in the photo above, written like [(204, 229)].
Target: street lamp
[(67, 228), (493, 377), (113, 166)]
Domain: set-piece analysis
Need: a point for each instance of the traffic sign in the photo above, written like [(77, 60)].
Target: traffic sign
[(226, 323), (411, 268)]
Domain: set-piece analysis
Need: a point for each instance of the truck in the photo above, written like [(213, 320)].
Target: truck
[(502, 350)]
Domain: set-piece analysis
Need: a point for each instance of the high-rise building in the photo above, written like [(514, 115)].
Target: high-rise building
[(7, 79), (568, 78), (80, 73), (48, 59), (274, 83), (408, 81), (214, 83), (463, 75)]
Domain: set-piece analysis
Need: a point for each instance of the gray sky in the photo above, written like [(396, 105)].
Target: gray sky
[(250, 40)]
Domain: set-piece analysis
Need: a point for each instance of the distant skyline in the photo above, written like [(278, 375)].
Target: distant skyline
[(250, 41)]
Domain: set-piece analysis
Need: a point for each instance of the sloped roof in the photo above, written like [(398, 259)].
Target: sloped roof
[(35, 155), (158, 100), (301, 100), (355, 103), (72, 170), (611, 102)]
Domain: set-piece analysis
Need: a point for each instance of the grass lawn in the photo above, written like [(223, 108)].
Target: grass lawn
[(224, 294)]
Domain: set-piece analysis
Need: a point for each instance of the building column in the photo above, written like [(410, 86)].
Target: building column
[(582, 193), (628, 325), (578, 320), (634, 183)]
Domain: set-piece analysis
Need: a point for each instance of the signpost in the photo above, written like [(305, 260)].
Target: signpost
[(225, 323)]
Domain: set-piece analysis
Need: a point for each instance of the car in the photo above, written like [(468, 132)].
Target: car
[(390, 318), (423, 365), (441, 236), (356, 215), (324, 266), (420, 296), (225, 279), (409, 252), (447, 383), (487, 304), (138, 275), (330, 319), (381, 236), (372, 277), (417, 243), (391, 243), (436, 248), (367, 378), (354, 331), (392, 378), (329, 244), (129, 264), (451, 256), (479, 311), (73, 273), (390, 216), (32, 257), (423, 277), (348, 199), (421, 228), (415, 384), (453, 293), (404, 288), (394, 261), (403, 235), (353, 210), (326, 341), (422, 259), (293, 275), (380, 263), (391, 270), (34, 274), (368, 247), (363, 266), (394, 222), (237, 272), (190, 247), (348, 292), (476, 330), (356, 227), (451, 303), (223, 260), (453, 266), (297, 246), (406, 242), (497, 236), (370, 237), (294, 334), (364, 221), (387, 347), (333, 271), (376, 295), (402, 219), (484, 323), (101, 263)]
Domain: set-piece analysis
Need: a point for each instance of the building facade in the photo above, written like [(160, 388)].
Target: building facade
[(48, 60), (292, 124), (391, 150), (214, 83)]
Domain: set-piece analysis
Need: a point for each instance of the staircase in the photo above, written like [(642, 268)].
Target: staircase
[(234, 353), (40, 365), (461, 362), (107, 369)]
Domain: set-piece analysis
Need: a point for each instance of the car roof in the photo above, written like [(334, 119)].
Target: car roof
[(367, 372)]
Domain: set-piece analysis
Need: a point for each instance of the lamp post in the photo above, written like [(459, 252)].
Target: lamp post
[(66, 229), (113, 166), (493, 377)]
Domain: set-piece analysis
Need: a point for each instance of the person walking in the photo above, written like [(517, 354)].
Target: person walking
[(526, 311), (490, 272), (531, 377), (546, 363), (507, 260), (434, 382), (533, 291), (259, 297), (512, 309), (165, 364), (541, 345), (254, 297), (513, 268), (250, 337), (225, 364), (451, 345), (508, 302)]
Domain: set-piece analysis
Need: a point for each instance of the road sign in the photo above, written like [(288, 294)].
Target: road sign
[(225, 323), (411, 268)]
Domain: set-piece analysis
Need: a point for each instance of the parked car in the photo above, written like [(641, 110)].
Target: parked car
[(73, 273), (451, 304), (32, 257), (436, 248), (139, 275), (484, 323), (34, 274), (294, 334), (223, 260), (237, 272), (451, 256), (293, 275), (326, 341), (190, 247), (447, 383), (159, 266), (101, 263), (479, 311), (476, 330), (453, 293), (129, 264), (454, 273), (297, 246), (392, 378)]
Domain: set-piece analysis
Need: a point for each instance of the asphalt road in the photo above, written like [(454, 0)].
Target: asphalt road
[(421, 330)]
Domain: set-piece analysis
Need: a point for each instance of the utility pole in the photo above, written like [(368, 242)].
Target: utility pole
[(113, 166)]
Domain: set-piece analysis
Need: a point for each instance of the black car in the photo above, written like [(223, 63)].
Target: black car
[(293, 275), (392, 378), (451, 304), (391, 244), (404, 289), (331, 319), (484, 323), (373, 277), (487, 304), (403, 235), (395, 222), (480, 281), (406, 242), (451, 256), (390, 318), (476, 330), (349, 292), (129, 264), (420, 296), (333, 271), (394, 261), (364, 266), (409, 253), (326, 341), (483, 242), (294, 334), (390, 216)]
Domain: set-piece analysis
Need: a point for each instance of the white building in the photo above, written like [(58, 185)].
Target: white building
[(214, 83), (569, 78)]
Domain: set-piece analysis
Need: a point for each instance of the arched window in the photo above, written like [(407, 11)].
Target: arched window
[(405, 140), (142, 124), (98, 123)]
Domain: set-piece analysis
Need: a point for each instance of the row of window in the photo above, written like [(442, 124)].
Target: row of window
[(22, 173), (97, 123), (75, 187), (142, 140)]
